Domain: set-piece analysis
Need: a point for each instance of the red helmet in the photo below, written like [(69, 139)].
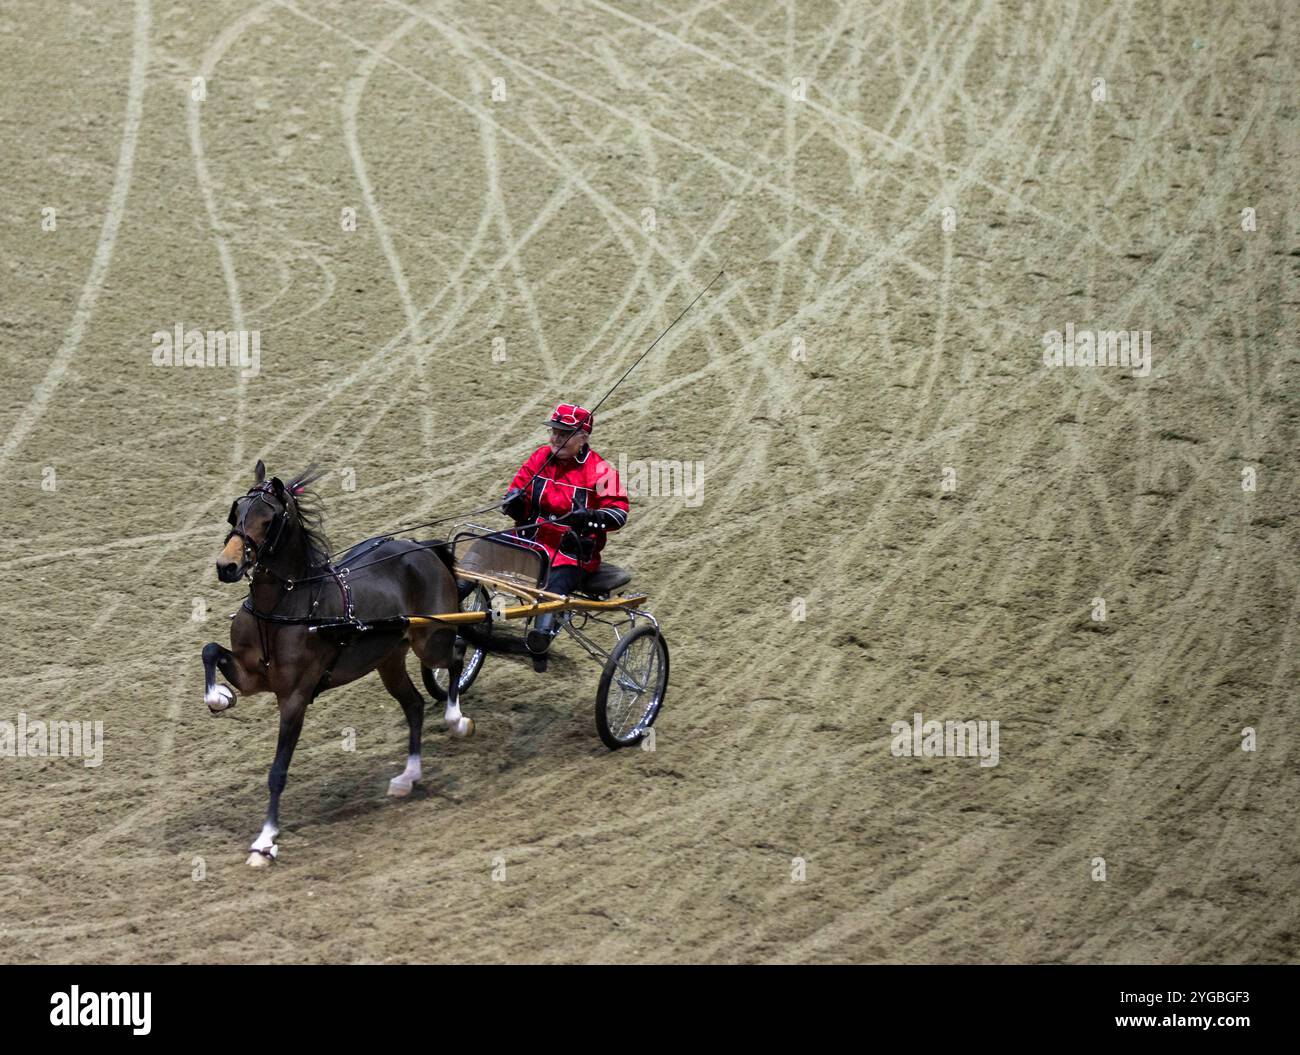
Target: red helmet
[(571, 417)]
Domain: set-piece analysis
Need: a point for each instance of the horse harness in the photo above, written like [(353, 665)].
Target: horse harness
[(347, 625), (273, 531)]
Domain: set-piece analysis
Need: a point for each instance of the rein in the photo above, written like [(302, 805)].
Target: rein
[(340, 573)]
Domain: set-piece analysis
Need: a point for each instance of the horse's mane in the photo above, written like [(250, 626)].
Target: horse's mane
[(311, 515)]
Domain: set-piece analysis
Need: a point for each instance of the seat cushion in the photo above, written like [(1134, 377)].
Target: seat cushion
[(605, 579)]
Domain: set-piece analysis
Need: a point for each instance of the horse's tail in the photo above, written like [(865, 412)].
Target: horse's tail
[(478, 635), (445, 553)]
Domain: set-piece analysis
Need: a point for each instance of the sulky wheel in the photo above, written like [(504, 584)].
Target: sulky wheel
[(632, 688), (435, 680)]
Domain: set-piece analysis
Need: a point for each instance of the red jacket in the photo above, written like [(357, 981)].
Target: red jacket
[(585, 482)]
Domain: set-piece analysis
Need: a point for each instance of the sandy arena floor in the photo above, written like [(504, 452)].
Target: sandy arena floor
[(907, 197)]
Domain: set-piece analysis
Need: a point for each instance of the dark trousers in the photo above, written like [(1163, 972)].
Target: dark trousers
[(561, 580)]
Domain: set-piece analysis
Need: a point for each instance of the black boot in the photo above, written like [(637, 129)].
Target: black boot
[(539, 640), (562, 581)]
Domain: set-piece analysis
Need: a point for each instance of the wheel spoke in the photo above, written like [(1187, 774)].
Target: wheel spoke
[(631, 708)]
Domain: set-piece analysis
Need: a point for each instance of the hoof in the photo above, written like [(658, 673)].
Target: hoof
[(463, 729), (397, 789), (257, 859), (220, 699)]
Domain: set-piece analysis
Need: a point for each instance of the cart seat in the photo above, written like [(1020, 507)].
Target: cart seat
[(604, 581)]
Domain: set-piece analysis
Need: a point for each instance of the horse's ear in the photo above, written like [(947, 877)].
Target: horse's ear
[(277, 485), (259, 471)]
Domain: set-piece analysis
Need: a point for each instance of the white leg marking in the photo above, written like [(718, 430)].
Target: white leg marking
[(264, 850), (400, 785), (457, 724), (219, 699)]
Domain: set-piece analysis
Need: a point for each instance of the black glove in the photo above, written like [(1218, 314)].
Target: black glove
[(579, 547), (593, 519), (515, 504)]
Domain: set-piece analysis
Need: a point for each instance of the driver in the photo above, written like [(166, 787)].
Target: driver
[(565, 481)]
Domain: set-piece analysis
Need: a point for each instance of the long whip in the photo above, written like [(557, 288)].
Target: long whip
[(555, 451)]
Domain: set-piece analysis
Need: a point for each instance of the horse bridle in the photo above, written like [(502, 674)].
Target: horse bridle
[(273, 532)]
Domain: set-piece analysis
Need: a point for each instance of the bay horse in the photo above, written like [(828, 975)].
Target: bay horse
[(311, 624)]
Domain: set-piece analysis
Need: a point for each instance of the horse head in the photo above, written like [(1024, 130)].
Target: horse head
[(256, 524)]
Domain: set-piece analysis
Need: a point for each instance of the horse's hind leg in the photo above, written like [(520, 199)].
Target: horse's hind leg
[(398, 682), (457, 724), (445, 648)]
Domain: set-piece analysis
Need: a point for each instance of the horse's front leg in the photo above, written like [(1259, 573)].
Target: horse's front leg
[(220, 697), (292, 710)]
